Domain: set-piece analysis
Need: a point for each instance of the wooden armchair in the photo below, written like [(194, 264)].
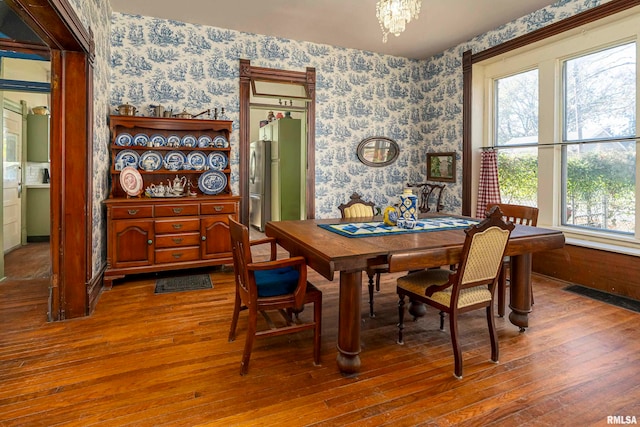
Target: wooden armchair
[(517, 214), (470, 287), (274, 285), (358, 208), (427, 193)]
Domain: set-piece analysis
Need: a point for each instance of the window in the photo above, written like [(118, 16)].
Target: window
[(562, 116), (516, 129), (600, 104)]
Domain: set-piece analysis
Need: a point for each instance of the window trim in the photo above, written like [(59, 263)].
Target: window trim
[(481, 96)]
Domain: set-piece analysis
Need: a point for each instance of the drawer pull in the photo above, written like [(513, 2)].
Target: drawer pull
[(133, 211), (177, 210), (177, 226), (218, 208), (176, 256), (177, 240), (204, 238), (149, 241)]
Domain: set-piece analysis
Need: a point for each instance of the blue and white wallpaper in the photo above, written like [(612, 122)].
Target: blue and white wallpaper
[(359, 94)]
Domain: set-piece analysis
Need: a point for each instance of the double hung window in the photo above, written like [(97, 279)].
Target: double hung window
[(563, 120)]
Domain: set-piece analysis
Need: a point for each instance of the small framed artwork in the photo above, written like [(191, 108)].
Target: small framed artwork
[(441, 167)]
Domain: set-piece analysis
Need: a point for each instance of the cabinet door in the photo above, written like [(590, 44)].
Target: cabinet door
[(132, 243), (216, 240)]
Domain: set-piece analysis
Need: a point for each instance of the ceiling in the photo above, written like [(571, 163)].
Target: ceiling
[(352, 24)]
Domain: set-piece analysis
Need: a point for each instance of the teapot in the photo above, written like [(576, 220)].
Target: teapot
[(148, 164), (178, 185), (171, 166), (157, 190)]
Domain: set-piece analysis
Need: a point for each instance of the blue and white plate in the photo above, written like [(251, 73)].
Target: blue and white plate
[(217, 160), (141, 140), (174, 160), (158, 141), (127, 158), (174, 141), (124, 139), (197, 160), (204, 141), (212, 182), (189, 141), (220, 142), (150, 161)]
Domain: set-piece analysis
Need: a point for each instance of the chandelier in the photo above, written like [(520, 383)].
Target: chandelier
[(393, 15)]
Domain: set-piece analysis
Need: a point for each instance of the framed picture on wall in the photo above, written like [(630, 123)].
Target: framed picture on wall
[(441, 167)]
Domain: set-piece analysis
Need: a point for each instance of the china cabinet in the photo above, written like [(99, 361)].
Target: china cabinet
[(176, 217)]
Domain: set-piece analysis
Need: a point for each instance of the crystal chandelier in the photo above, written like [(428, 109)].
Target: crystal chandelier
[(393, 15)]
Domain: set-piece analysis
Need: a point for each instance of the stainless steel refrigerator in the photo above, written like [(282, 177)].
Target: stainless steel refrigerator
[(259, 183)]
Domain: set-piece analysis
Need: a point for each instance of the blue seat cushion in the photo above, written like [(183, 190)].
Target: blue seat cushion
[(278, 281)]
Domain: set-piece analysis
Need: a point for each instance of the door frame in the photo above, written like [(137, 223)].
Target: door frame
[(71, 50), (308, 80)]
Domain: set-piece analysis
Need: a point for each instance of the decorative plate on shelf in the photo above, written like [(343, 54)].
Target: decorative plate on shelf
[(217, 160), (141, 140), (127, 158), (212, 182), (124, 139), (174, 141), (204, 141), (131, 181), (189, 141), (220, 142), (150, 161), (197, 160), (174, 160), (158, 140)]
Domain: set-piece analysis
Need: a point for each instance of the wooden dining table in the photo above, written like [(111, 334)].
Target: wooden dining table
[(327, 252)]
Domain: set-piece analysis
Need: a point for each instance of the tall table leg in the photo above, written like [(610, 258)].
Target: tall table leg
[(520, 292), (349, 322)]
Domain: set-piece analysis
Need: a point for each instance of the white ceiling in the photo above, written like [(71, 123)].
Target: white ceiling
[(346, 23)]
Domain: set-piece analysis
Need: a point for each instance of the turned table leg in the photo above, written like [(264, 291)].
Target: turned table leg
[(349, 322), (520, 291)]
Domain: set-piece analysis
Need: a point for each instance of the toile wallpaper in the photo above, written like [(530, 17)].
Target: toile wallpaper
[(359, 94)]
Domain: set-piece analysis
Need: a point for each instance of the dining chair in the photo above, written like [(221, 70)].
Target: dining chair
[(427, 192), (358, 208), (278, 286), (517, 214), (470, 287)]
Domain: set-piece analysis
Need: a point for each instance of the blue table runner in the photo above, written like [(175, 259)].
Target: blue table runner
[(379, 228)]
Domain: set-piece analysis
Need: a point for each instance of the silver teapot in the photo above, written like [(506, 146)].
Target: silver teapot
[(177, 187)]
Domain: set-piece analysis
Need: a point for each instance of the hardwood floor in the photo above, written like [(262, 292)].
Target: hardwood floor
[(163, 360)]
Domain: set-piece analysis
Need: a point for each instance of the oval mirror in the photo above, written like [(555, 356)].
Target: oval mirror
[(378, 151)]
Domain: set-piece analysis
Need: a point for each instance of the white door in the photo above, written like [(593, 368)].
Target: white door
[(12, 179)]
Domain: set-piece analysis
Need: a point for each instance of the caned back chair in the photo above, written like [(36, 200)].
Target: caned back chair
[(517, 214), (470, 287), (278, 286), (358, 208)]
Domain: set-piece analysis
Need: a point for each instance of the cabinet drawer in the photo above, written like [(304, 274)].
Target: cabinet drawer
[(176, 210), (133, 211), (187, 253), (177, 240), (175, 226), (218, 208)]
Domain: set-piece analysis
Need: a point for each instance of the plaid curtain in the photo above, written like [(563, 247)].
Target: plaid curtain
[(489, 188)]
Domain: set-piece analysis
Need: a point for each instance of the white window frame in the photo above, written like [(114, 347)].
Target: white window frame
[(547, 56)]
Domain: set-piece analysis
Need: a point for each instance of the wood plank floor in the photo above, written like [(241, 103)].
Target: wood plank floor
[(163, 360)]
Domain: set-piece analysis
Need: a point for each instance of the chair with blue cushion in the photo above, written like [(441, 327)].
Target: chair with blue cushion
[(271, 286)]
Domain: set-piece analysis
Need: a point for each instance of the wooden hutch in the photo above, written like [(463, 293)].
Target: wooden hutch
[(149, 234)]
